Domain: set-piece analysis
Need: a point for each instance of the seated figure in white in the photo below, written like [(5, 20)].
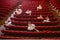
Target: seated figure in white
[(18, 11), (39, 7), (28, 12), (40, 17), (32, 27), (46, 19)]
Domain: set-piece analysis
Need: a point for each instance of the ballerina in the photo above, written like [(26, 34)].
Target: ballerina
[(46, 19), (39, 7), (18, 11), (40, 17), (32, 27), (28, 12)]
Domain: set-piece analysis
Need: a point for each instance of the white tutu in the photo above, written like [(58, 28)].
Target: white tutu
[(46, 21), (39, 7), (28, 12), (40, 17), (31, 27), (18, 11)]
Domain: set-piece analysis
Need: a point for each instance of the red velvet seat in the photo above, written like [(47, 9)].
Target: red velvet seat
[(30, 33), (26, 19), (6, 7), (47, 29), (31, 19), (24, 28), (32, 16), (33, 5), (9, 37), (56, 4), (36, 23)]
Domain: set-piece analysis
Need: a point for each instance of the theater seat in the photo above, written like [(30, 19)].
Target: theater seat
[(36, 23), (12, 32), (24, 28), (19, 23), (9, 37), (32, 19)]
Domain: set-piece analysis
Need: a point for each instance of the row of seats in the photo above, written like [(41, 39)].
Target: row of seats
[(56, 4), (26, 6), (32, 16), (24, 28), (31, 19), (38, 13), (12, 32), (36, 23), (6, 7), (19, 23), (10, 37), (22, 38)]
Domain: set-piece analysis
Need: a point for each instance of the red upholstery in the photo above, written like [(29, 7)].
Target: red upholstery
[(32, 16), (9, 37), (37, 27), (30, 33), (56, 4), (34, 4), (36, 23), (32, 19), (6, 7), (46, 29)]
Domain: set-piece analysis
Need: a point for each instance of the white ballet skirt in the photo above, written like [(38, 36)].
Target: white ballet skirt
[(18, 11), (39, 17), (39, 7), (28, 12), (46, 21), (31, 27)]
